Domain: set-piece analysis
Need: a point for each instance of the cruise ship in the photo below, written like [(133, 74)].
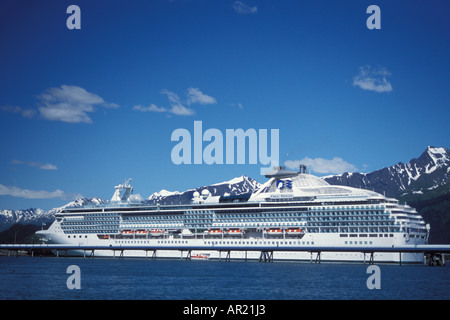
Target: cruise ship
[(293, 209)]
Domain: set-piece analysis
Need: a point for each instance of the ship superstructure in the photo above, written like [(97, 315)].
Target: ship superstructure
[(290, 209)]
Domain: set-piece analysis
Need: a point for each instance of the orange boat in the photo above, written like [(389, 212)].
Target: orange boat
[(234, 232), (156, 232), (200, 256), (294, 231), (274, 231)]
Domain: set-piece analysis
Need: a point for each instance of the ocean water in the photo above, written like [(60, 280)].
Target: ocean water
[(46, 278)]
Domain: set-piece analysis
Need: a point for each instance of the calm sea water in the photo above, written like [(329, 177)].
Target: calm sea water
[(45, 278)]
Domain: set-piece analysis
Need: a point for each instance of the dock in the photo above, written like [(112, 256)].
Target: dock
[(435, 253)]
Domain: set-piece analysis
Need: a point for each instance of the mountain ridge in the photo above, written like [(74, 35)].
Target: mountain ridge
[(238, 185), (428, 171), (423, 181)]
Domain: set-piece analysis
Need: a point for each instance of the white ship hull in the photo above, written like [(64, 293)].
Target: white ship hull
[(293, 210), (244, 247)]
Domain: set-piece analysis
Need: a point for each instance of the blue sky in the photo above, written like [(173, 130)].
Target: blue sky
[(82, 110)]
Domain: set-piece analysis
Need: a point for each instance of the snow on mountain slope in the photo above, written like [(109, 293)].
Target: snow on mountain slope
[(28, 216), (428, 171), (161, 194), (38, 216), (239, 185), (19, 215)]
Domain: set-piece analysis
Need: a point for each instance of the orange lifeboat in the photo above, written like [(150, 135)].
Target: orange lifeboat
[(234, 232), (294, 231), (215, 231), (274, 231), (156, 232)]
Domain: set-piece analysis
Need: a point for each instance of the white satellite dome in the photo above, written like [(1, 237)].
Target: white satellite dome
[(196, 194), (308, 180)]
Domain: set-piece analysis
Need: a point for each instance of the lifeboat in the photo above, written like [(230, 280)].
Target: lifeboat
[(294, 231), (141, 232), (234, 232), (127, 232), (156, 232), (274, 231), (215, 231)]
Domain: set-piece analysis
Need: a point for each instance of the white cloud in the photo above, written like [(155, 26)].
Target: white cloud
[(43, 166), (70, 104), (150, 108), (373, 79), (172, 96), (31, 194), (177, 105), (26, 113), (242, 8), (194, 95), (320, 165), (48, 166), (238, 104), (181, 110)]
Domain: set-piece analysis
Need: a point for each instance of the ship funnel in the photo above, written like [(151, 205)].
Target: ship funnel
[(302, 168), (118, 196)]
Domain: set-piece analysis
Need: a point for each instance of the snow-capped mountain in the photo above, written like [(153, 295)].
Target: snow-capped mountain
[(38, 216), (155, 197), (239, 185), (429, 171), (234, 186), (77, 203), (28, 216), (19, 215)]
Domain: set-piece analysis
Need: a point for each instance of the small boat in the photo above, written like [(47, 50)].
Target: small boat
[(234, 232), (294, 231), (156, 232), (274, 231), (141, 232), (127, 231), (215, 231), (200, 256)]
